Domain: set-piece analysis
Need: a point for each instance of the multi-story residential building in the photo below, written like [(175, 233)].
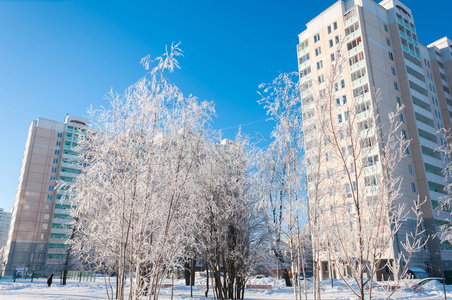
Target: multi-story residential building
[(5, 219), (383, 53), (40, 222)]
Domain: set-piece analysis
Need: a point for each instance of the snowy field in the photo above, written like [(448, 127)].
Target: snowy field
[(37, 290)]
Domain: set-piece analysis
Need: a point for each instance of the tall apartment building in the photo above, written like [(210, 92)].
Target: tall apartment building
[(40, 222), (5, 219), (383, 53)]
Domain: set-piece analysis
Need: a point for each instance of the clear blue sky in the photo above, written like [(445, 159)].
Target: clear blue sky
[(59, 57)]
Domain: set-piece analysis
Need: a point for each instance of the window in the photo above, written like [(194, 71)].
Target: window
[(352, 28), (330, 173), (49, 197), (344, 99), (393, 71), (342, 83), (43, 236), (391, 56), (41, 247), (327, 156), (385, 27), (346, 115), (319, 65), (353, 43), (58, 143), (332, 57), (39, 256), (399, 101), (329, 29), (413, 187), (303, 45), (55, 160), (321, 78), (52, 178), (388, 42), (54, 170), (57, 152), (402, 119), (318, 51), (358, 74), (316, 38), (51, 187), (410, 169), (59, 135), (396, 86), (331, 43), (339, 117), (45, 226), (48, 207), (336, 39), (404, 134), (303, 58), (355, 59), (335, 25), (305, 72)]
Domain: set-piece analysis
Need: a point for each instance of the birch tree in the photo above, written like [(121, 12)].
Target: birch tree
[(139, 160), (283, 195), (356, 189)]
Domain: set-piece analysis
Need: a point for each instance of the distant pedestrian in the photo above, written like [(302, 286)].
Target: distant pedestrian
[(49, 280)]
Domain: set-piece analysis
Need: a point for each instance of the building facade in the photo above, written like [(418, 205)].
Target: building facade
[(382, 52), (40, 222), (5, 219)]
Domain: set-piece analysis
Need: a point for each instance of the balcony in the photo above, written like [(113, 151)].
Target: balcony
[(363, 115), (426, 128), (427, 143), (57, 241), (369, 151), (436, 196), (432, 161), (372, 190), (353, 35), (61, 211), (417, 81), (357, 66), (72, 157), (421, 97), (435, 178), (427, 115), (54, 261), (71, 166), (362, 98), (372, 170), (359, 81), (61, 231), (367, 133), (350, 21), (56, 251), (303, 52), (355, 50), (69, 174), (61, 221), (305, 64), (306, 78), (414, 66)]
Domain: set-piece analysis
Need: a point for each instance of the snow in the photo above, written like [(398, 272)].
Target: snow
[(24, 290)]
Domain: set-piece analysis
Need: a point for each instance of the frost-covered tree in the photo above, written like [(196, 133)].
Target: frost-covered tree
[(229, 232), (283, 174), (354, 188), (140, 158)]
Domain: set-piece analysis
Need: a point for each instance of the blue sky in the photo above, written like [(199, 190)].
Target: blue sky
[(59, 57)]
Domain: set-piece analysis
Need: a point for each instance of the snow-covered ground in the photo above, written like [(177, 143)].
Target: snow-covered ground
[(37, 290)]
